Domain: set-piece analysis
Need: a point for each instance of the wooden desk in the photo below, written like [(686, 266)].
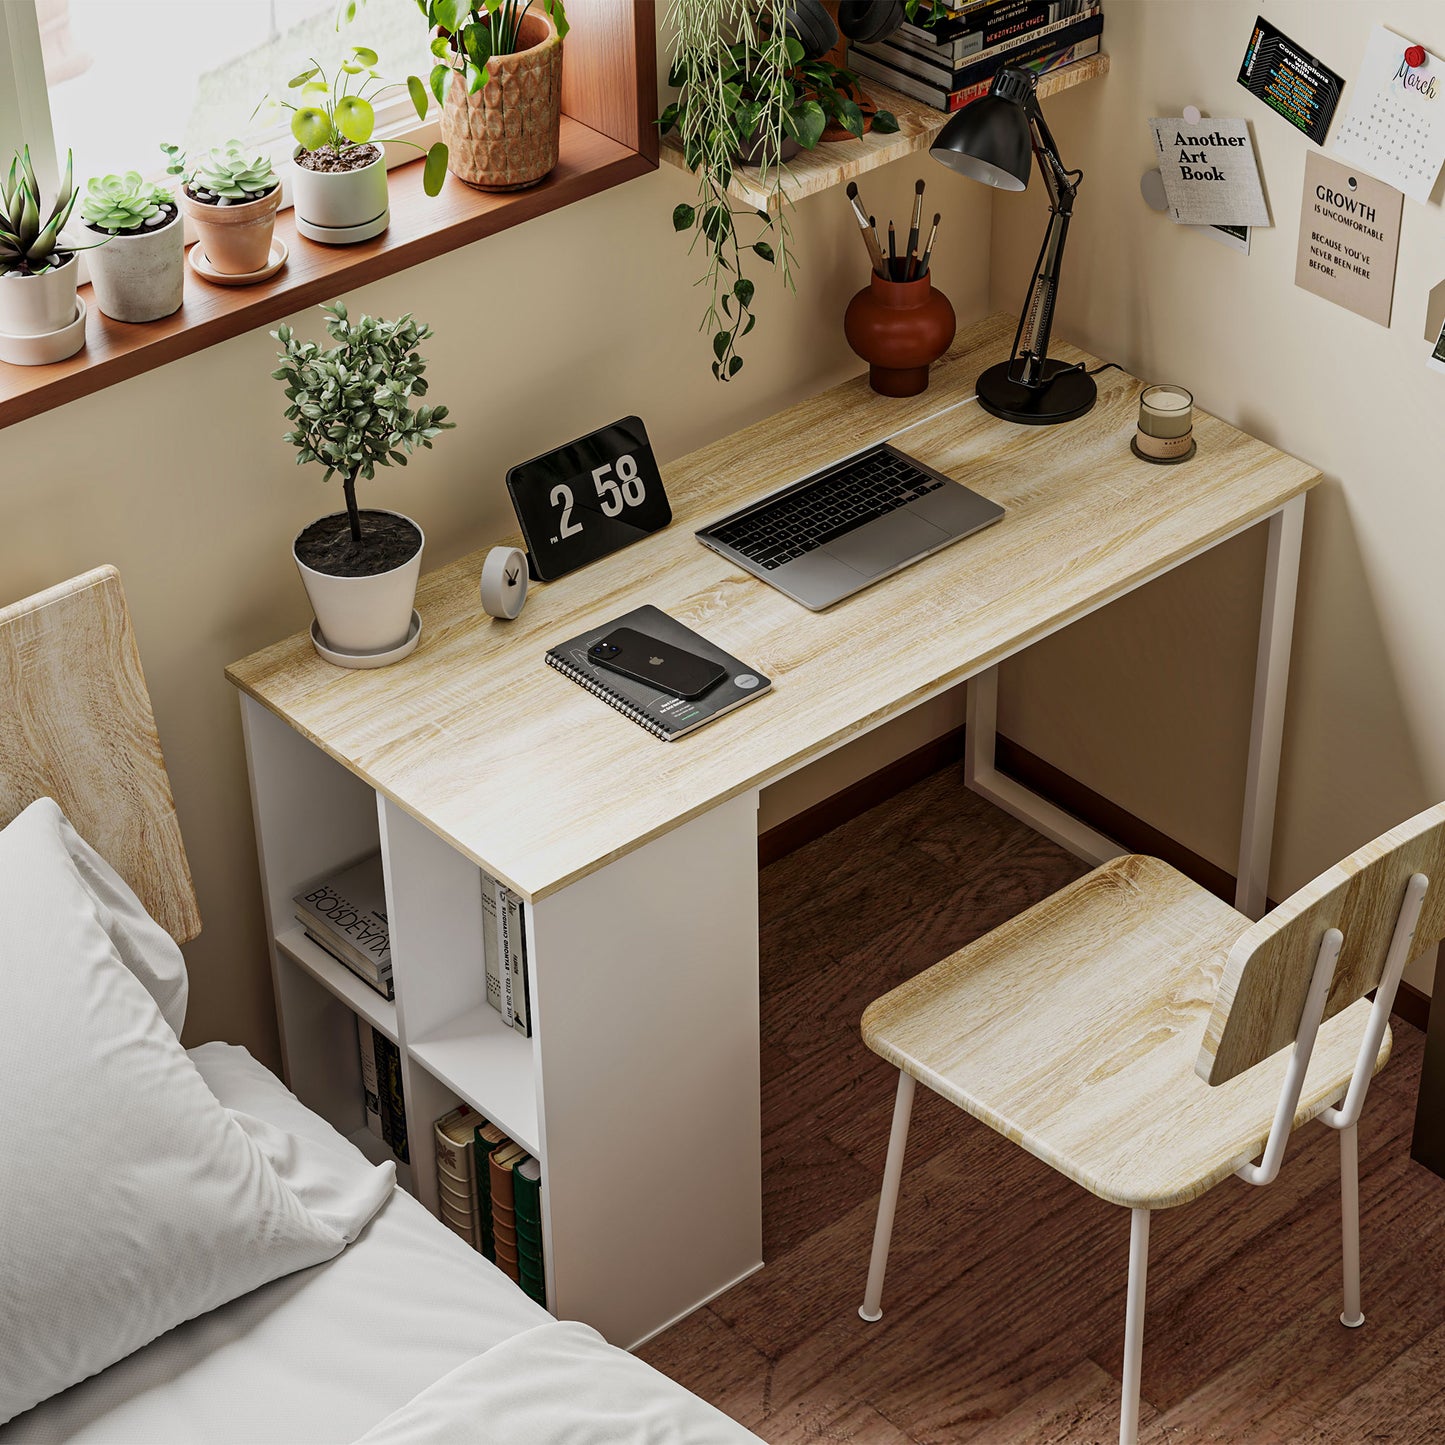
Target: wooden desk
[(639, 1089)]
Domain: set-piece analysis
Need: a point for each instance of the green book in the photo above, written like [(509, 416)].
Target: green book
[(485, 1138), (527, 1197)]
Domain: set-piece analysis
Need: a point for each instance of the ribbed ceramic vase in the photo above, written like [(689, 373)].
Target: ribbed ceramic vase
[(900, 328), (506, 136)]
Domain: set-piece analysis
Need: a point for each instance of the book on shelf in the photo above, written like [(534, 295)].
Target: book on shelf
[(956, 100), (527, 1206), (346, 915), (505, 947), (946, 78), (501, 1162), (456, 1176), (489, 1191), (392, 1099), (380, 981), (486, 1138), (370, 1095), (491, 941), (953, 41)]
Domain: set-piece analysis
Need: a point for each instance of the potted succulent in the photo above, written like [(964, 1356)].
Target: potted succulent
[(351, 405), (138, 276), (339, 176), (41, 318), (498, 79), (231, 198)]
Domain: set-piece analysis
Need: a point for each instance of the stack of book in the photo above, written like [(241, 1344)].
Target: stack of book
[(504, 923), (491, 1195), (381, 1088), (949, 56), (346, 915)]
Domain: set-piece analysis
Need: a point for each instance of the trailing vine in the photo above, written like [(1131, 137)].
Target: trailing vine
[(735, 65)]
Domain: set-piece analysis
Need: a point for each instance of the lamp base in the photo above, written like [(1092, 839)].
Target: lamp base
[(1064, 393)]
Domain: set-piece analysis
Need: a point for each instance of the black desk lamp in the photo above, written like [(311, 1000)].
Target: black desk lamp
[(991, 140)]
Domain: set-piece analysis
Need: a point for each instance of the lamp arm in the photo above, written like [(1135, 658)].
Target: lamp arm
[(1036, 320)]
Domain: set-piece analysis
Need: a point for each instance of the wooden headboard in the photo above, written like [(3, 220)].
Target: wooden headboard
[(76, 725)]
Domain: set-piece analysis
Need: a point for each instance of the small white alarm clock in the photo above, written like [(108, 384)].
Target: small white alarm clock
[(504, 582)]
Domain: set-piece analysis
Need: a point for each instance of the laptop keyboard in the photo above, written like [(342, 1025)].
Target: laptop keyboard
[(862, 489)]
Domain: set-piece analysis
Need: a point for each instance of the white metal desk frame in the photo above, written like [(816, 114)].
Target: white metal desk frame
[(1266, 727)]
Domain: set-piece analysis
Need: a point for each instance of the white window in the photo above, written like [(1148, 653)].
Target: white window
[(112, 79)]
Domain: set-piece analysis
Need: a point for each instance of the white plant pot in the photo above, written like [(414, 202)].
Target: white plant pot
[(38, 305), (341, 207), (51, 347), (364, 614), (139, 275)]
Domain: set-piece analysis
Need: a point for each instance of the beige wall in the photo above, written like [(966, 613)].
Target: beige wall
[(181, 479), (1148, 701)]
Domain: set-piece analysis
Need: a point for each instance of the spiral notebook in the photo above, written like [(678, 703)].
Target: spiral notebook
[(663, 715)]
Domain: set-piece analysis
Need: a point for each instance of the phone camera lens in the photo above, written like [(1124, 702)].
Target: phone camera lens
[(605, 649)]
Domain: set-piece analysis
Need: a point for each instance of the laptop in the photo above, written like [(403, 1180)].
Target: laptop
[(850, 525)]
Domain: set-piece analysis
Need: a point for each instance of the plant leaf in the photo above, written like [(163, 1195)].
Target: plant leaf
[(355, 118), (885, 122), (743, 290), (312, 127), (764, 250), (300, 80), (435, 170), (683, 216), (419, 97)]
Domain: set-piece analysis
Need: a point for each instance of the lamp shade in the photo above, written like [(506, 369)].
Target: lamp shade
[(988, 140)]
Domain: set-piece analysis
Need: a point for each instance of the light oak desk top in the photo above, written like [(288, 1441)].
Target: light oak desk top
[(540, 784)]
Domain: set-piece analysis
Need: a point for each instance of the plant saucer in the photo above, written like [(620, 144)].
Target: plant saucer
[(201, 265), (343, 657)]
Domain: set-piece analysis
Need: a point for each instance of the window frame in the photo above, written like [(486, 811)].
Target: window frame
[(609, 136)]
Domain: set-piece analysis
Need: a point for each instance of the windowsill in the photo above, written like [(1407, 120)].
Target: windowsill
[(421, 228)]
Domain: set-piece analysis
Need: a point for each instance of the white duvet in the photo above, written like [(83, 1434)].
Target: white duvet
[(557, 1384)]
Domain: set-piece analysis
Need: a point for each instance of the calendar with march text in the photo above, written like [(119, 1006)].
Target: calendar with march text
[(1395, 128)]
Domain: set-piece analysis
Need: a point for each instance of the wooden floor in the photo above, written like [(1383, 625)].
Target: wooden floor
[(1004, 1308)]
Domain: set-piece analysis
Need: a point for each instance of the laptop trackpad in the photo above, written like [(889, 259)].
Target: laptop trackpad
[(889, 541)]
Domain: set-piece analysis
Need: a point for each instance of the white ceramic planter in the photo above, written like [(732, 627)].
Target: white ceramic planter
[(51, 347), (364, 614), (341, 207), (139, 275), (38, 305)]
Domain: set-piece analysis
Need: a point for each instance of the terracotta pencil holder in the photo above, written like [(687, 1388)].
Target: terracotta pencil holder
[(900, 328)]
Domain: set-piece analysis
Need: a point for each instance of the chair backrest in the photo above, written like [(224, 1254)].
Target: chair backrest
[(1261, 994), (76, 725)]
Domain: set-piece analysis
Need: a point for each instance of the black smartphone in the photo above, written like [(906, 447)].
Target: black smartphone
[(658, 664)]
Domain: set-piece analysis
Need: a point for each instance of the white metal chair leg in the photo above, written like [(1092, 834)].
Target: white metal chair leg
[(1350, 1221), (1134, 1326), (871, 1308)]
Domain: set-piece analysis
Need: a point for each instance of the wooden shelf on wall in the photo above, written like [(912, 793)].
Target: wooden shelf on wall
[(835, 162)]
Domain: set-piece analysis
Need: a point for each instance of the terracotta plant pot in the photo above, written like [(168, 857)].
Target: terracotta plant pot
[(236, 240), (506, 136), (900, 328)]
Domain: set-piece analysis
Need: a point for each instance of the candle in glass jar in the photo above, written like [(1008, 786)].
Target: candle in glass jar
[(1166, 411)]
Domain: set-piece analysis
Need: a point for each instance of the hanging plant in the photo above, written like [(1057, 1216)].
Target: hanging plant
[(740, 102)]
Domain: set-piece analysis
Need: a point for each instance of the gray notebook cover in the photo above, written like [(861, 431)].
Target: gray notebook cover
[(662, 714)]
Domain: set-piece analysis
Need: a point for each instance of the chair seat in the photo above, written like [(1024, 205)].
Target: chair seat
[(1074, 1029)]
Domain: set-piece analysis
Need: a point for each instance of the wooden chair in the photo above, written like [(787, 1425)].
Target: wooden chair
[(1146, 1040), (76, 725)]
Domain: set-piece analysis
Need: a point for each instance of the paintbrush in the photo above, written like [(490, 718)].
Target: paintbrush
[(870, 236), (892, 254), (911, 254), (928, 249)]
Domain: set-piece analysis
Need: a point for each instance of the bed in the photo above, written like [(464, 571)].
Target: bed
[(407, 1336)]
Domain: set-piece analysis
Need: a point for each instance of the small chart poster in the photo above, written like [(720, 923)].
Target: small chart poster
[(1395, 128), (1288, 79), (1349, 233)]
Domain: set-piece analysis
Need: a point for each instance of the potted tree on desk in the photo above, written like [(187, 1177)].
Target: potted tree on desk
[(351, 405)]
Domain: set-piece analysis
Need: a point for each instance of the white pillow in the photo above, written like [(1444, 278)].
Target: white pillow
[(143, 945), (130, 1200)]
